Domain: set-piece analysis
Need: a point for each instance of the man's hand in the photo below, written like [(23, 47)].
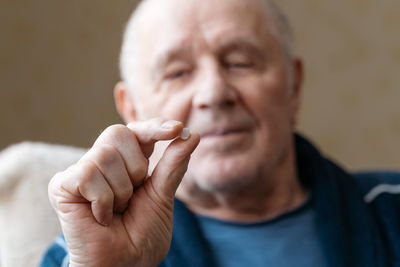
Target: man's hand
[(111, 213)]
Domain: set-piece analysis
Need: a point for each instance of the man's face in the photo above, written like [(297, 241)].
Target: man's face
[(215, 66)]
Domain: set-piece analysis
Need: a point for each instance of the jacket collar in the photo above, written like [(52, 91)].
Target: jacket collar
[(345, 225)]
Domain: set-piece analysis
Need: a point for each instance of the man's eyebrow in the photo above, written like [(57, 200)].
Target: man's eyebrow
[(242, 44), (167, 55)]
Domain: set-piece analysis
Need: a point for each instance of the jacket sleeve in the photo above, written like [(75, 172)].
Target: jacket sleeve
[(56, 255)]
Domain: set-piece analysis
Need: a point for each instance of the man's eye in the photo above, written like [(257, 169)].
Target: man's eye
[(240, 65), (177, 74)]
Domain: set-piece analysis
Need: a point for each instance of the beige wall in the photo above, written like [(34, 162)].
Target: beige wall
[(351, 96), (58, 64), (58, 67)]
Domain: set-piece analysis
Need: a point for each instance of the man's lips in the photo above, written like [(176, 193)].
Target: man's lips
[(218, 132)]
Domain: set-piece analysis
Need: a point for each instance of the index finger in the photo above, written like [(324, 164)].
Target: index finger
[(157, 129)]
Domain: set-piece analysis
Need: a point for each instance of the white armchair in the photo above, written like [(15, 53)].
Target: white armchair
[(28, 224)]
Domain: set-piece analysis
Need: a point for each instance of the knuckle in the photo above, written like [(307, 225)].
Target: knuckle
[(105, 199), (86, 172), (146, 126), (156, 122), (176, 155), (153, 125), (125, 192), (55, 188), (140, 168), (172, 160), (59, 179), (107, 155), (116, 130)]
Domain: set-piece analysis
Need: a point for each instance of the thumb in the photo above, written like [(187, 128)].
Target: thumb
[(172, 166)]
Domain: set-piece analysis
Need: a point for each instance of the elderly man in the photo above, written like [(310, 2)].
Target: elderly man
[(253, 193)]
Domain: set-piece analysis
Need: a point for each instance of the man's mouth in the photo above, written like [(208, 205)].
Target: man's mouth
[(220, 132)]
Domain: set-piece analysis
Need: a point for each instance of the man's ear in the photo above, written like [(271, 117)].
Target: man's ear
[(124, 102), (297, 84)]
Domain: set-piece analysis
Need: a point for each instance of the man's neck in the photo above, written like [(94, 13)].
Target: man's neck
[(271, 196)]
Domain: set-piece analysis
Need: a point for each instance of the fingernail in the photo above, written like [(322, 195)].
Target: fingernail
[(170, 124), (107, 220), (102, 221), (185, 133)]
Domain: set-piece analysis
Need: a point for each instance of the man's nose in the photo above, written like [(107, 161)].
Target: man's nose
[(212, 90)]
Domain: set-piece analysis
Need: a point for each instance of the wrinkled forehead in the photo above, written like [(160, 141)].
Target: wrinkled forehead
[(164, 22)]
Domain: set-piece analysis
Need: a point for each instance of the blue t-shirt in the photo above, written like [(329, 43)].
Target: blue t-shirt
[(285, 241)]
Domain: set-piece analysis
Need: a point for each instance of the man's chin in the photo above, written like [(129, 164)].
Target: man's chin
[(221, 187), (223, 180), (222, 172)]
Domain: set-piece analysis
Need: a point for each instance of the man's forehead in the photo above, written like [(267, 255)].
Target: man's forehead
[(161, 13), (170, 25)]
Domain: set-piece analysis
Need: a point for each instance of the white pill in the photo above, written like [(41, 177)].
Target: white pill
[(185, 133)]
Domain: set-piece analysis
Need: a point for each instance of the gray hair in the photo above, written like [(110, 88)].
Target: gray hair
[(280, 28)]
